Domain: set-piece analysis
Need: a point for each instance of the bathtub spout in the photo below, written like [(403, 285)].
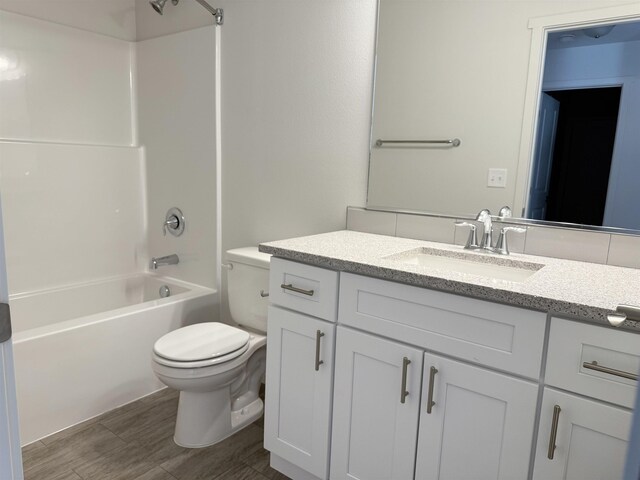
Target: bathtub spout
[(168, 260)]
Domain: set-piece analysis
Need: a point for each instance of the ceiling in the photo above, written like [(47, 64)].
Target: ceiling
[(625, 32)]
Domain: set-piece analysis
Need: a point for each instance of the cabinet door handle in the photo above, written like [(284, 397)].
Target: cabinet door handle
[(403, 388), (432, 380), (611, 371), (554, 432), (290, 287), (319, 362)]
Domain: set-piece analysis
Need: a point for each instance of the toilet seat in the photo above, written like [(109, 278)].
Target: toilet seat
[(201, 345)]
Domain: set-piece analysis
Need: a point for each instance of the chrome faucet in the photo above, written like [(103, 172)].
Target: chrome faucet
[(160, 261), (484, 216)]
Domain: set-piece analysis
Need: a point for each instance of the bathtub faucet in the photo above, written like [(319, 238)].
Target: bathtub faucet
[(168, 260)]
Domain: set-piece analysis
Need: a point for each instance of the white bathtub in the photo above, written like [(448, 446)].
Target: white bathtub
[(83, 350)]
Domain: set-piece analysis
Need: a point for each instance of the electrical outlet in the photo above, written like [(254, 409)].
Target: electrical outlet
[(497, 178)]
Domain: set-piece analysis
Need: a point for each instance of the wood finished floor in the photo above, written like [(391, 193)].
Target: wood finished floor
[(135, 442)]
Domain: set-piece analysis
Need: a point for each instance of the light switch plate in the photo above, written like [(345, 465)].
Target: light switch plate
[(497, 178)]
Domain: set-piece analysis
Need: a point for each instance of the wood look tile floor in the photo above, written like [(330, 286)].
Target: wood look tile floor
[(135, 442)]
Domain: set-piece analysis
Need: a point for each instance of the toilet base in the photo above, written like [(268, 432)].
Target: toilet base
[(193, 430)]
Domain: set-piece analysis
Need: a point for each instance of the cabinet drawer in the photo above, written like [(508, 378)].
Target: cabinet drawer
[(306, 289), (573, 345), (499, 336)]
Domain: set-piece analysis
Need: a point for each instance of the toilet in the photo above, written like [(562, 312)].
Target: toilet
[(218, 368)]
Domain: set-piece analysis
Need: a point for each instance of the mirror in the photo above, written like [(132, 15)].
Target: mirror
[(474, 71)]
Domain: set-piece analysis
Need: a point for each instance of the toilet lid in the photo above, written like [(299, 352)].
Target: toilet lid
[(202, 341)]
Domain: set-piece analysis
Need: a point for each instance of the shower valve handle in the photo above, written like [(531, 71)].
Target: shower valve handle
[(171, 223), (174, 222)]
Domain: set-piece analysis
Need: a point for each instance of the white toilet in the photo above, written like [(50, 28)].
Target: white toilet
[(218, 368)]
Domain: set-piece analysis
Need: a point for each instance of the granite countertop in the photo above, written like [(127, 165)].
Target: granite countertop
[(563, 287)]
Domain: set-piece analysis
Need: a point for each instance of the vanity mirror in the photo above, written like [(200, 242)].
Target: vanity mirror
[(492, 73)]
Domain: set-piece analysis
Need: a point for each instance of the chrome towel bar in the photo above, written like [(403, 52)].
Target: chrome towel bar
[(455, 142)]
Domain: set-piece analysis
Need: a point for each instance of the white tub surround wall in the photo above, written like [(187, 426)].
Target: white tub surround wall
[(176, 98), (72, 213), (564, 243), (70, 178), (62, 84)]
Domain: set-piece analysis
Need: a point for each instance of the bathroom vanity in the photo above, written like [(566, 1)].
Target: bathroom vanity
[(383, 363)]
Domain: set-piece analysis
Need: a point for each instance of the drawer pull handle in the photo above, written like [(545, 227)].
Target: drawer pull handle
[(404, 393), (554, 432), (611, 371), (319, 362), (289, 286), (432, 379)]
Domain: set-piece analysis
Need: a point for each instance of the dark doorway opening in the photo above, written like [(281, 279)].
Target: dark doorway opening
[(582, 154)]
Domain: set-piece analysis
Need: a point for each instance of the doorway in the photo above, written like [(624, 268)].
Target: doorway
[(574, 151), (582, 154)]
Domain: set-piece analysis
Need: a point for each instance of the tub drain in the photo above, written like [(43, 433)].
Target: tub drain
[(164, 291)]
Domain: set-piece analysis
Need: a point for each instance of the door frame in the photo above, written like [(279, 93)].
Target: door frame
[(10, 452), (540, 28)]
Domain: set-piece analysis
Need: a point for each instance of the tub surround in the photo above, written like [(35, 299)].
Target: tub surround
[(92, 354), (562, 287)]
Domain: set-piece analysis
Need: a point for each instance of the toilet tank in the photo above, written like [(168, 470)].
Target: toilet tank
[(247, 277)]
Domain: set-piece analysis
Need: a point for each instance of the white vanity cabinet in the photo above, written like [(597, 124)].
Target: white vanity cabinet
[(584, 438), (474, 423), (480, 423), (421, 384), (299, 376), (589, 440), (376, 403)]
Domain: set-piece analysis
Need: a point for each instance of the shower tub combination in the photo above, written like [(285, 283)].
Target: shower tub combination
[(83, 350)]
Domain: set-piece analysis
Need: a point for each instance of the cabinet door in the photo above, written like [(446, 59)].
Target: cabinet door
[(374, 420), (591, 440), (298, 391), (480, 426)]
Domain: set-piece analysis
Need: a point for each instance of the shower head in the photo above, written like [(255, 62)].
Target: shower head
[(158, 5)]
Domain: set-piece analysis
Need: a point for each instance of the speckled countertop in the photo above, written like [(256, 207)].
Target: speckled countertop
[(564, 287)]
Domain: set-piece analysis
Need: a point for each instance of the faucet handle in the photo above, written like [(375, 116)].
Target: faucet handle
[(501, 245), (505, 212), (171, 223), (472, 241)]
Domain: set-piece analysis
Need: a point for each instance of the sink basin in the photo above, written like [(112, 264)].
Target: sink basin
[(489, 266)]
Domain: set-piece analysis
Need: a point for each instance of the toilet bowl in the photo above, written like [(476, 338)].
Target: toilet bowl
[(218, 368)]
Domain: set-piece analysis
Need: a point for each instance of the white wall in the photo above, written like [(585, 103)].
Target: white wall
[(72, 204), (453, 69), (296, 103), (176, 84), (296, 83), (609, 64)]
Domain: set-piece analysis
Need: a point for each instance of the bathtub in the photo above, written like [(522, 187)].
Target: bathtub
[(85, 349)]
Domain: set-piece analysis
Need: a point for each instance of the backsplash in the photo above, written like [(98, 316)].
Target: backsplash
[(571, 244)]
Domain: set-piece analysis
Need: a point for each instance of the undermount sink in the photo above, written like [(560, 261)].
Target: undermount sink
[(489, 266)]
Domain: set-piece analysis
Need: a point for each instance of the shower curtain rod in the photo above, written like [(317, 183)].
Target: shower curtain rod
[(216, 12)]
